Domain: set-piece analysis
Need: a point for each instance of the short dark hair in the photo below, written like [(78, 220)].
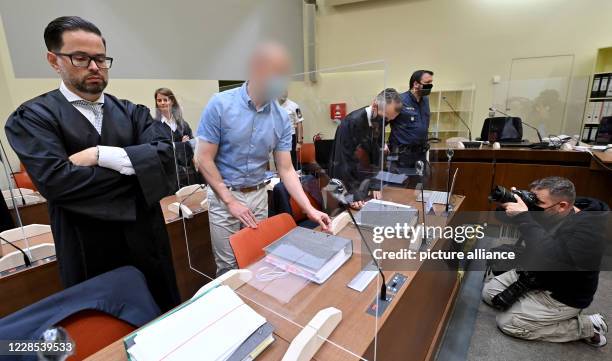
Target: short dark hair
[(558, 187), (56, 28), (418, 75), (388, 96)]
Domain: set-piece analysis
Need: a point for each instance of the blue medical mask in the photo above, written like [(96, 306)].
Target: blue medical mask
[(276, 87)]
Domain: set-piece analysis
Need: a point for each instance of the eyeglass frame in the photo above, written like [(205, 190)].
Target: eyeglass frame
[(91, 58)]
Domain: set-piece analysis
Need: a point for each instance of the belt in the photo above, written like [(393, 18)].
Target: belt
[(249, 189)]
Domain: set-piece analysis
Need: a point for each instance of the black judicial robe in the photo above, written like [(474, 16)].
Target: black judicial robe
[(100, 219), (356, 151), (183, 153)]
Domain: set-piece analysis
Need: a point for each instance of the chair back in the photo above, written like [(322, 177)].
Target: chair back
[(306, 153), (296, 210), (93, 330), (22, 178), (248, 244)]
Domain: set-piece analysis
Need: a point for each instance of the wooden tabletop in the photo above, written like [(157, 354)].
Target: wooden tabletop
[(32, 241), (357, 330), (605, 157), (193, 202)]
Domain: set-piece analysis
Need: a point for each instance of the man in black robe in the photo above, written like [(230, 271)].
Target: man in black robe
[(358, 144), (102, 163)]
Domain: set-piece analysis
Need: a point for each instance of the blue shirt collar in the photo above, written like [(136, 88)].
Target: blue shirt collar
[(244, 94)]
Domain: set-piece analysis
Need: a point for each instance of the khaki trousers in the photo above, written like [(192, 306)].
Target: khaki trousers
[(536, 315), (223, 224)]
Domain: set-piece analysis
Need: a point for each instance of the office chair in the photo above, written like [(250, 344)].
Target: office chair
[(248, 244), (22, 178), (92, 330), (502, 129), (306, 153), (95, 313), (323, 148)]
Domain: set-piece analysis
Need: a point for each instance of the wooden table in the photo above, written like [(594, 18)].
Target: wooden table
[(480, 169), (25, 286), (32, 284), (35, 213), (410, 329)]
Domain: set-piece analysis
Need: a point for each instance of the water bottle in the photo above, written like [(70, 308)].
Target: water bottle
[(60, 347)]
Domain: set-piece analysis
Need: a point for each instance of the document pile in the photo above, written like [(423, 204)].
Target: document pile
[(216, 325), (386, 214), (391, 177), (309, 254)]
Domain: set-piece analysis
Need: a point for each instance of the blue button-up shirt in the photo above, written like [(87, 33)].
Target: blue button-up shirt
[(245, 135), (412, 124)]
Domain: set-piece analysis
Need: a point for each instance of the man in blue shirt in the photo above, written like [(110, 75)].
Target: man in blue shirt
[(238, 130), (409, 130)]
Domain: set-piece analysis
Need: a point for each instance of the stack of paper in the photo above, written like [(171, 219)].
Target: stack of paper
[(213, 326), (386, 214), (391, 177), (310, 254)]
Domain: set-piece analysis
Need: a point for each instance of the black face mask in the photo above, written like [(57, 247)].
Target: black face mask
[(425, 89), (546, 219)]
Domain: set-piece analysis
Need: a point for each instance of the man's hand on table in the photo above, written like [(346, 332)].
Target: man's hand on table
[(319, 217)]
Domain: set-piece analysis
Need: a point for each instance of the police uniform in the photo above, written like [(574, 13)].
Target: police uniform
[(409, 130)]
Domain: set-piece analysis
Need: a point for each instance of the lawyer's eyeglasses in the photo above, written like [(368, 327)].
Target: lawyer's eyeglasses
[(83, 60)]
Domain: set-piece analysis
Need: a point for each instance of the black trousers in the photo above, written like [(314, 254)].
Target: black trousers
[(293, 151)]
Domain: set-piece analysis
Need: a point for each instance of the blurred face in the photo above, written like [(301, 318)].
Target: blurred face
[(283, 98), (163, 103), (550, 205), (86, 80), (390, 111), (270, 69)]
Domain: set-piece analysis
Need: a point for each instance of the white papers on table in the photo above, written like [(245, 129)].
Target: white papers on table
[(211, 327), (387, 203)]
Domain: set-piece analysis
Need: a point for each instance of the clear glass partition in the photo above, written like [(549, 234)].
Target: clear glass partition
[(304, 271), (25, 236), (545, 95)]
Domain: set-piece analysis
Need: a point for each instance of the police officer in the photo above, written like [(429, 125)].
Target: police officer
[(408, 138), (297, 130)]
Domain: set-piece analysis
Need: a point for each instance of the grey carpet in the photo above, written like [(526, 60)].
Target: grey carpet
[(488, 343)]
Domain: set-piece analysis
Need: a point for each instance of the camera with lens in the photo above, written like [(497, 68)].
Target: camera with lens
[(527, 281), (500, 194)]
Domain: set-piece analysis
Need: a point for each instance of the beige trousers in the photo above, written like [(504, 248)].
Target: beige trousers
[(536, 315), (223, 224)]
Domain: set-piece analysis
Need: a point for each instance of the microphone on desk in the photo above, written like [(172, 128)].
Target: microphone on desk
[(5, 160), (522, 122), (459, 116), (420, 170), (338, 191), (26, 259), (183, 210)]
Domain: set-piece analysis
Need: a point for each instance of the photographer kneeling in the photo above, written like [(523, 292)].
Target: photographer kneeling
[(558, 271)]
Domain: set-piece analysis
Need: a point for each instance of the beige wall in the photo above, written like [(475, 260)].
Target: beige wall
[(192, 94), (463, 41)]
